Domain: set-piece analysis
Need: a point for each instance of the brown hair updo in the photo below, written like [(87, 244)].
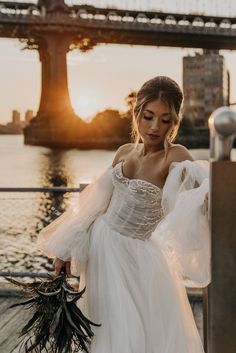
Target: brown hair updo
[(169, 92)]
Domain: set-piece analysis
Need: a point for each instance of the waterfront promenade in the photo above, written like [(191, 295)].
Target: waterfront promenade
[(12, 320)]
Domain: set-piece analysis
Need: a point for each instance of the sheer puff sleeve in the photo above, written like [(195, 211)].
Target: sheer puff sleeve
[(184, 232), (67, 237)]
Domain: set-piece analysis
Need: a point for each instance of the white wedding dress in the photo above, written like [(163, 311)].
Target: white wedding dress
[(136, 247)]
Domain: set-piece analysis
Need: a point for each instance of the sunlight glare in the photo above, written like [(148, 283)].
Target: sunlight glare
[(84, 106)]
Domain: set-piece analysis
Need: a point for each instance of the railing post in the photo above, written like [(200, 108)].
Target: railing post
[(220, 306)]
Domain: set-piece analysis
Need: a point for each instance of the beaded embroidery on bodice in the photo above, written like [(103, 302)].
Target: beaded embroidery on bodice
[(135, 207), (139, 183)]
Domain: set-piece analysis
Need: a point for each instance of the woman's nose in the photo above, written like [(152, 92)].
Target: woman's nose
[(155, 124)]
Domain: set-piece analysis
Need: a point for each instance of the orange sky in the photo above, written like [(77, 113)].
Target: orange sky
[(104, 76), (97, 79)]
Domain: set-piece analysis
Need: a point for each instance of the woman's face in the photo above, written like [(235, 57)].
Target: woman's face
[(154, 123)]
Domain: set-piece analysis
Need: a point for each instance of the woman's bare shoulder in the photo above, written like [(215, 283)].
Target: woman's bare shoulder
[(179, 153), (122, 152)]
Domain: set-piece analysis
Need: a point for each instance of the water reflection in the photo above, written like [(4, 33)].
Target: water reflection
[(53, 169), (27, 213), (53, 173)]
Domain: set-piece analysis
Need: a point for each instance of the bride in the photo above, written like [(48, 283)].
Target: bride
[(139, 234)]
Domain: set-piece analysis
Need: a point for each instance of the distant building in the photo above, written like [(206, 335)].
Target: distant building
[(16, 117), (29, 114), (14, 127), (206, 85), (11, 128)]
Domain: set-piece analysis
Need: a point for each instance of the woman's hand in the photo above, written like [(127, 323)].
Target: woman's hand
[(205, 205), (59, 264), (206, 201)]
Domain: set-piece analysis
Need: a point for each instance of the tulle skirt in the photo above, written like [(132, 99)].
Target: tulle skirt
[(133, 291)]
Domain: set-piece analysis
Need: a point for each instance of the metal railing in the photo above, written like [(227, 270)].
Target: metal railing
[(24, 212)]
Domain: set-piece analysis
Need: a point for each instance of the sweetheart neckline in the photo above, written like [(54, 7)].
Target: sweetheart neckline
[(130, 179)]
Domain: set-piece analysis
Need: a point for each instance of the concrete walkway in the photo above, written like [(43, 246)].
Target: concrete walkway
[(12, 320)]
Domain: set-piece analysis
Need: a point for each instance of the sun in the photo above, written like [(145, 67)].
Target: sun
[(86, 104), (81, 105), (83, 101)]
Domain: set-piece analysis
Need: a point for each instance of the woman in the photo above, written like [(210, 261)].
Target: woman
[(139, 234)]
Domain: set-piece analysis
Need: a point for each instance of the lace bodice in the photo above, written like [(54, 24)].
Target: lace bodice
[(135, 207)]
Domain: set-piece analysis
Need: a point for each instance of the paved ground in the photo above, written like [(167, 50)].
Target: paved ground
[(12, 320)]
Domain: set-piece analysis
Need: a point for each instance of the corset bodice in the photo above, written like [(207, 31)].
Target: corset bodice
[(135, 207)]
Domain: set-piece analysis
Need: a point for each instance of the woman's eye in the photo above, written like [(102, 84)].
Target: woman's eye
[(166, 121), (147, 117)]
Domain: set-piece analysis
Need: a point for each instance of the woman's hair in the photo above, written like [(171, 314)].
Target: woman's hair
[(169, 92)]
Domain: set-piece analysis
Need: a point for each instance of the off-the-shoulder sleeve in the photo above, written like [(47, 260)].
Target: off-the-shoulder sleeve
[(184, 232), (67, 237)]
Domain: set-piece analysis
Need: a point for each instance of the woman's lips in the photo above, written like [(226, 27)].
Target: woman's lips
[(152, 136)]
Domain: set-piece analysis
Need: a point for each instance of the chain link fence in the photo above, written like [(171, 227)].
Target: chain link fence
[(23, 213)]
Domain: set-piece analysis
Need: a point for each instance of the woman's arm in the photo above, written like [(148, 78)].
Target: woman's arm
[(180, 154), (184, 229), (67, 237)]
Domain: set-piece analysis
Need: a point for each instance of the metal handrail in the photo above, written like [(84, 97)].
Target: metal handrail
[(43, 189), (23, 274), (47, 189)]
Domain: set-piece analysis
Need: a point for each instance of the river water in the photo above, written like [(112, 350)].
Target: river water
[(22, 215)]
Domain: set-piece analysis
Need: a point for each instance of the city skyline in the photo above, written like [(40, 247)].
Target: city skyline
[(98, 79)]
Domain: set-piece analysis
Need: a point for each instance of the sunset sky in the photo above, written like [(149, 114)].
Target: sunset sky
[(104, 76)]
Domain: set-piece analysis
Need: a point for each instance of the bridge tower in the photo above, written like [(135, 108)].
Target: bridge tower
[(55, 123)]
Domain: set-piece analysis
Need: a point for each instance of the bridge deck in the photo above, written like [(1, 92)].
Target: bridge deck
[(118, 26)]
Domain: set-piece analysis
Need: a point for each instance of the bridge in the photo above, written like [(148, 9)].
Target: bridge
[(53, 28), (89, 25)]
